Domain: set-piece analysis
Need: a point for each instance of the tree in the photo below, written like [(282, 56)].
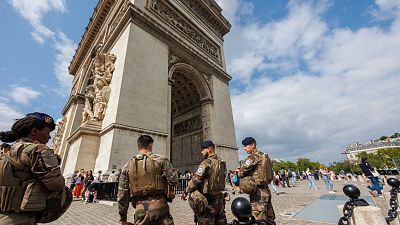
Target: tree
[(383, 157)]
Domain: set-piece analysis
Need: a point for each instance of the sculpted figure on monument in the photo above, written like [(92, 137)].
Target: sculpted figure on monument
[(88, 109), (59, 134), (98, 94)]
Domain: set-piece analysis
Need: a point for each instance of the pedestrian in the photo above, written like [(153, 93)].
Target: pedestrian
[(79, 184), (93, 188), (112, 177), (236, 181), (208, 181), (146, 181), (31, 178), (372, 174), (256, 174), (4, 148), (273, 182), (310, 178), (326, 178)]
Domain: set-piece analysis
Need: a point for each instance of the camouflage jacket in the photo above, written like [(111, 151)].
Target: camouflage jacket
[(203, 172), (124, 197), (40, 163), (250, 164)]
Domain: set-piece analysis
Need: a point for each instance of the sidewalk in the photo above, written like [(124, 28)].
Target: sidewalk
[(289, 202)]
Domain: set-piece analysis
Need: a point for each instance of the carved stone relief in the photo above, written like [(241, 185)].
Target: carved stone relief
[(59, 134), (121, 11), (173, 59), (176, 20), (98, 92)]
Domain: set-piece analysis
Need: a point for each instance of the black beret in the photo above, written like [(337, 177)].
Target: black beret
[(248, 141), (206, 144), (47, 120)]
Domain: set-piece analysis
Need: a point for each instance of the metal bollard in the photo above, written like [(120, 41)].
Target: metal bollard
[(392, 213), (241, 209), (353, 193)]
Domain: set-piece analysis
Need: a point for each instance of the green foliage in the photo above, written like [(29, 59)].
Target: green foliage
[(382, 157), (345, 165), (383, 138), (301, 165)]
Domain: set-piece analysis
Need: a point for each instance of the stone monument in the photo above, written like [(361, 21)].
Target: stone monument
[(151, 67)]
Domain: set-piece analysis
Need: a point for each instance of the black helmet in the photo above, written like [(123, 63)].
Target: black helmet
[(241, 209)]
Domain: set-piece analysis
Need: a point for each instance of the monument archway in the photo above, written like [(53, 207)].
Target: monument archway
[(188, 91), (150, 67)]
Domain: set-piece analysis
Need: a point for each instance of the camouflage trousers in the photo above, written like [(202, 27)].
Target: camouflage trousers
[(261, 205), (18, 219), (153, 211), (214, 214)]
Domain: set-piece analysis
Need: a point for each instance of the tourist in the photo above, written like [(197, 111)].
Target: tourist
[(326, 178), (273, 182), (236, 181), (371, 174), (112, 177), (310, 178), (79, 184)]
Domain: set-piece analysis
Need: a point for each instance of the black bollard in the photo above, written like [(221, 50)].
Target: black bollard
[(392, 213), (353, 193), (241, 209)]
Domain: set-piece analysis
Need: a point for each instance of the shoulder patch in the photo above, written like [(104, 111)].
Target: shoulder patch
[(248, 162), (200, 170)]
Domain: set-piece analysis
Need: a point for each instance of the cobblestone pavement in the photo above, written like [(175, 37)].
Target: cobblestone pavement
[(286, 205)]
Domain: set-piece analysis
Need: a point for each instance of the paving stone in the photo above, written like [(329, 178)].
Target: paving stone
[(289, 202)]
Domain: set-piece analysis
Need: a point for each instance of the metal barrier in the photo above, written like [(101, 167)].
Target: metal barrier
[(353, 193), (181, 186), (107, 191), (392, 213)]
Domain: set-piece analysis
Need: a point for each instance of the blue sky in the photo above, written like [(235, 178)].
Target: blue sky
[(309, 77)]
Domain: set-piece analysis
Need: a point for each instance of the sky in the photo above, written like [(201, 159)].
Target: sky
[(309, 77)]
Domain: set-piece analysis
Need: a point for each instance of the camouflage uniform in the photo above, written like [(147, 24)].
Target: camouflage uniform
[(31, 161), (151, 208), (260, 201), (215, 212)]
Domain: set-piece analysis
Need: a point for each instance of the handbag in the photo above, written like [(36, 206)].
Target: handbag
[(375, 173)]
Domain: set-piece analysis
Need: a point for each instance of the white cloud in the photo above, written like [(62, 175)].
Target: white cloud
[(33, 11), (7, 115), (65, 50), (387, 9), (23, 95), (334, 86)]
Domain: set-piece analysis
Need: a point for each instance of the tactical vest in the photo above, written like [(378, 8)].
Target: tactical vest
[(145, 177), (17, 195), (215, 181), (263, 174)]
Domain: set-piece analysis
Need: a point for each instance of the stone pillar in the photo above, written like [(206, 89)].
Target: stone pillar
[(366, 215)]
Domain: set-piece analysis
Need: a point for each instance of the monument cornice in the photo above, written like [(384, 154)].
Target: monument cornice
[(117, 126), (123, 13), (85, 129), (92, 29), (72, 99), (210, 11), (151, 25)]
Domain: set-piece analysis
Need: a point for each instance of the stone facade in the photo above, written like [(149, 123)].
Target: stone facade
[(151, 67)]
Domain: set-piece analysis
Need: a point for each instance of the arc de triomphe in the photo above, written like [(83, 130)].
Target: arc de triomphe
[(148, 67)]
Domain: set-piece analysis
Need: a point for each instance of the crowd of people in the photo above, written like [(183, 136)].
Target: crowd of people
[(85, 186)]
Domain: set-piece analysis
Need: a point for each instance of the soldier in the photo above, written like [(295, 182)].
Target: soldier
[(146, 181), (30, 173), (206, 187), (4, 148), (256, 174)]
